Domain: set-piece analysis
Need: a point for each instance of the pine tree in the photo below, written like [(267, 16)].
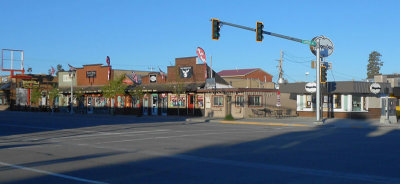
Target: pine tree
[(374, 64)]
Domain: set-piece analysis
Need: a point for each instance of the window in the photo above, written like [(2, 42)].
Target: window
[(239, 101), (254, 100), (356, 103), (337, 101), (218, 100), (308, 101)]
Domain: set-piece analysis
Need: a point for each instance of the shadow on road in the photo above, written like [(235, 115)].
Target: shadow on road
[(324, 154)]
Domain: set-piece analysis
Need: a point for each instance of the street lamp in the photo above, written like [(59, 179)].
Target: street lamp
[(72, 75)]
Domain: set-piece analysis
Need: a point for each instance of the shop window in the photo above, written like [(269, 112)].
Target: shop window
[(356, 103), (308, 101), (239, 101), (218, 100), (254, 100), (337, 101)]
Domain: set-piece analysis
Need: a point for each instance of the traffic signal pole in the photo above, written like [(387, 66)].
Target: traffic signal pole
[(269, 33), (308, 42)]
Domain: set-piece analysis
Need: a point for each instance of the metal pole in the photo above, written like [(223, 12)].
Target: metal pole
[(72, 92), (318, 95)]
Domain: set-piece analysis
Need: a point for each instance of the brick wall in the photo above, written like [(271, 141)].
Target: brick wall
[(198, 71), (101, 78)]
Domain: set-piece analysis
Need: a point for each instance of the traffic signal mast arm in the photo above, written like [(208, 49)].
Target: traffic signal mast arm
[(269, 33)]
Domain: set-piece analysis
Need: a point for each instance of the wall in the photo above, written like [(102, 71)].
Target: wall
[(101, 75), (64, 80), (198, 70), (249, 83)]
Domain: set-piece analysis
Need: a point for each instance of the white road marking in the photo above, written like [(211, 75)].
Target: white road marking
[(51, 173)]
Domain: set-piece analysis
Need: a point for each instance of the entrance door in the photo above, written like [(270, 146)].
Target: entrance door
[(191, 104), (89, 105), (164, 104), (154, 104), (145, 105)]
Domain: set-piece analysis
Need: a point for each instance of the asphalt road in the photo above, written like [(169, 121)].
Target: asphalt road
[(60, 148)]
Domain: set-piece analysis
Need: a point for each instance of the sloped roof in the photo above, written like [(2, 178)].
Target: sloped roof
[(238, 72)]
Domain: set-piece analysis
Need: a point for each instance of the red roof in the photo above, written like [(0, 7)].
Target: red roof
[(237, 72)]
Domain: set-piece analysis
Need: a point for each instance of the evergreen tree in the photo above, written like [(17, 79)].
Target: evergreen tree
[(374, 64)]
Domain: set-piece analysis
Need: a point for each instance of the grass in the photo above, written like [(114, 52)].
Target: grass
[(229, 117)]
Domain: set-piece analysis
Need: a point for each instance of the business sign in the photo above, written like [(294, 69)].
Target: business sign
[(325, 44), (375, 88), (30, 84), (66, 78), (90, 74), (153, 78), (311, 87), (186, 72)]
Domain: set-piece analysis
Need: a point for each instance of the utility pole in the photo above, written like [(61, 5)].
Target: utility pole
[(281, 80)]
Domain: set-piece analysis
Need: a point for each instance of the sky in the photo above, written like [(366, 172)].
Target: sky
[(145, 34)]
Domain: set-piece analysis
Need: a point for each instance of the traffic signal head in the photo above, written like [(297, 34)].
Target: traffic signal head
[(259, 31), (216, 24), (323, 77)]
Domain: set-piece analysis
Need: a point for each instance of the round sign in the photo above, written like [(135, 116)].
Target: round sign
[(325, 44), (201, 54), (311, 87), (375, 88)]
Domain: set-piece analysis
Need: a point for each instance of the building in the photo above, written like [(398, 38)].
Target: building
[(248, 78), (344, 99)]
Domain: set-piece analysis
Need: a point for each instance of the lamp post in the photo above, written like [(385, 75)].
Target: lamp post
[(72, 75)]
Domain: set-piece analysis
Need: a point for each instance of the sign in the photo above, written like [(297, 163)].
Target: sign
[(186, 72), (325, 44), (278, 99), (4, 79), (375, 88), (67, 78), (30, 84), (201, 54), (153, 78), (311, 87), (90, 74)]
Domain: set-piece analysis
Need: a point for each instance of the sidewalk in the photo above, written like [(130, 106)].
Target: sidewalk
[(301, 122)]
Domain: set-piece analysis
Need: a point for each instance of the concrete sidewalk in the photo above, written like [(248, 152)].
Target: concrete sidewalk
[(301, 122)]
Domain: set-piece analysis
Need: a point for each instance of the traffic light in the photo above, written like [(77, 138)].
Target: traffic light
[(259, 32), (322, 74), (215, 29)]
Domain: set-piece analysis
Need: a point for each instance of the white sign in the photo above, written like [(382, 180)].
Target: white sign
[(311, 87), (325, 44), (375, 88), (67, 78)]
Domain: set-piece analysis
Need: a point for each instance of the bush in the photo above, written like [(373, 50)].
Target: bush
[(229, 117)]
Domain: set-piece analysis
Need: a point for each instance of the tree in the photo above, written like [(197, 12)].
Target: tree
[(374, 64), (29, 70), (59, 69), (114, 88), (138, 94), (35, 95), (53, 94), (179, 87)]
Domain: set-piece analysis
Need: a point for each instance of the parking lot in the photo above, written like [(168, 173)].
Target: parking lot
[(63, 148)]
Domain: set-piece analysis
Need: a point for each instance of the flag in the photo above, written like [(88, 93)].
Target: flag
[(162, 73), (108, 60), (52, 70), (134, 77), (71, 67)]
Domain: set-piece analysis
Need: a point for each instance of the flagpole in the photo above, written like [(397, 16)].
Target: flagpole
[(211, 67)]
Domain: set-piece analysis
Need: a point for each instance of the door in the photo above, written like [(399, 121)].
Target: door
[(164, 104), (191, 104), (89, 105), (154, 104), (145, 105)]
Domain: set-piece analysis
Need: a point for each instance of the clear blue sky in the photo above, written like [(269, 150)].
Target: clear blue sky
[(140, 34)]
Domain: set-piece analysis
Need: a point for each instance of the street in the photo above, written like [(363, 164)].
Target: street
[(64, 148)]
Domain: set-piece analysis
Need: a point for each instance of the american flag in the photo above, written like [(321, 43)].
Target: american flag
[(162, 73), (134, 77), (52, 70), (71, 67)]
